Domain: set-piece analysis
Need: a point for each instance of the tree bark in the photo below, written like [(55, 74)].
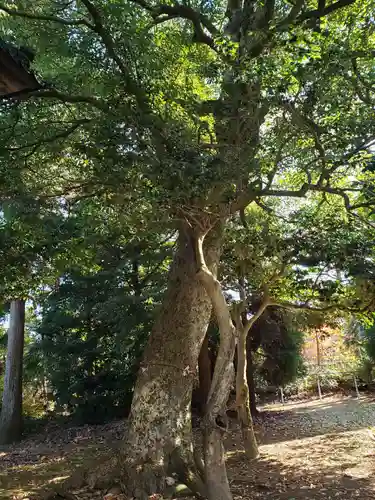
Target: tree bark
[(205, 375), (242, 390), (242, 398), (11, 411), (215, 423), (159, 440), (250, 379)]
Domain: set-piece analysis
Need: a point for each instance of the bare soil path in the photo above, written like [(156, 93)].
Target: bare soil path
[(309, 450)]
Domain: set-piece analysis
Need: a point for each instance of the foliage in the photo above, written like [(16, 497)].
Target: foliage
[(277, 348), (274, 116), (340, 360), (93, 327), (288, 361), (314, 257)]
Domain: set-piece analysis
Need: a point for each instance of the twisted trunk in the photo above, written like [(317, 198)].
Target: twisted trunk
[(215, 421), (11, 411), (215, 424), (159, 441)]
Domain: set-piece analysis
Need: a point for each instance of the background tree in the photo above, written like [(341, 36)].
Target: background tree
[(11, 408), (95, 322), (325, 269)]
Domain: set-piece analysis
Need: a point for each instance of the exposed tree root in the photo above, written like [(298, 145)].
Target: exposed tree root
[(140, 480), (105, 474), (188, 473)]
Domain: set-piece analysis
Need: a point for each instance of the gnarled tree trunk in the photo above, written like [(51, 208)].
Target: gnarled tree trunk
[(159, 440), (215, 419), (11, 411)]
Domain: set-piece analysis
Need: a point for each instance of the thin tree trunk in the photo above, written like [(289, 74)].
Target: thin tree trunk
[(356, 387), (242, 398), (11, 411), (250, 380), (242, 390), (319, 388), (159, 440), (282, 395), (205, 375), (318, 359)]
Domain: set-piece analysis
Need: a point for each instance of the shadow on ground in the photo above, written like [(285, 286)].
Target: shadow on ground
[(49, 459), (314, 450), (313, 418), (271, 479)]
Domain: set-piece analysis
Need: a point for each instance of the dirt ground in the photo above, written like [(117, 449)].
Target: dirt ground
[(313, 450)]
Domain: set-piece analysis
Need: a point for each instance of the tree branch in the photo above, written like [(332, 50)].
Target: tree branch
[(98, 28), (151, 120), (332, 307), (40, 17), (109, 44), (263, 306), (164, 12), (309, 187), (365, 96), (224, 365), (268, 13), (289, 19), (60, 96), (299, 193), (318, 13), (60, 135), (213, 288)]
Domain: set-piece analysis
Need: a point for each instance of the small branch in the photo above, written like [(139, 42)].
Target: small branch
[(60, 135), (163, 12), (289, 19), (300, 193), (150, 118), (39, 17), (310, 187), (268, 13), (365, 96), (271, 175), (310, 125), (332, 307), (60, 96), (109, 44), (319, 13), (265, 303)]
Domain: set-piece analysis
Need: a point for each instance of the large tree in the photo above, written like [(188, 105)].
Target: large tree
[(202, 109)]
